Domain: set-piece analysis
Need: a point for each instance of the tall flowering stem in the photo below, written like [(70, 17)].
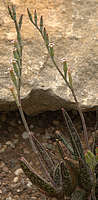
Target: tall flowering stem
[(50, 49)]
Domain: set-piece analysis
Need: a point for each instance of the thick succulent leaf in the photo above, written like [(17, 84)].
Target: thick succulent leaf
[(37, 180), (60, 149), (90, 160), (57, 176), (74, 137), (72, 165), (86, 178), (66, 180), (78, 194), (45, 157), (66, 143)]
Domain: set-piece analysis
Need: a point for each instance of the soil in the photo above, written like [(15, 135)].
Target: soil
[(14, 185)]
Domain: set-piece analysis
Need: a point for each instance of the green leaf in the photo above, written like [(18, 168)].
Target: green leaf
[(37, 180), (65, 68), (51, 50), (41, 24), (90, 159), (45, 36), (30, 16), (70, 78), (20, 22), (35, 17), (16, 54), (10, 12), (16, 69), (19, 37), (14, 12)]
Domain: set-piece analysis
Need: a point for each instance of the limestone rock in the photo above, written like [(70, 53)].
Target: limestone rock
[(72, 26)]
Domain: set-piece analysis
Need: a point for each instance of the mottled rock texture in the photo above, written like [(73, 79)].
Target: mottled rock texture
[(73, 27)]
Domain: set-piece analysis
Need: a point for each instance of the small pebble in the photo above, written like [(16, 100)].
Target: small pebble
[(9, 198), (3, 149), (0, 191), (25, 135), (18, 172), (19, 122), (31, 126), (8, 143), (18, 190), (15, 180), (29, 184)]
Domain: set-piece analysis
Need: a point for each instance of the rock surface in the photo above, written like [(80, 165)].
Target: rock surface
[(72, 26)]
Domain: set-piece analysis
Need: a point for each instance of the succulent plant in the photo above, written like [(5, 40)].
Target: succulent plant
[(77, 176), (69, 177)]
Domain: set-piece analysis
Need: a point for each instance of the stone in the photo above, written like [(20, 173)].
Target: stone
[(72, 27), (9, 198), (25, 135), (15, 180), (3, 149), (18, 172), (9, 143), (0, 191), (29, 184)]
